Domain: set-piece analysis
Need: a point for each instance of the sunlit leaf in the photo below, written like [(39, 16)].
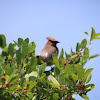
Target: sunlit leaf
[(33, 73), (88, 78), (55, 82), (66, 56), (55, 96), (74, 77), (79, 70), (85, 97), (55, 60), (31, 47), (34, 98), (89, 87), (12, 75), (93, 56), (88, 71), (69, 69), (61, 53), (24, 49), (8, 70), (97, 36), (92, 34)]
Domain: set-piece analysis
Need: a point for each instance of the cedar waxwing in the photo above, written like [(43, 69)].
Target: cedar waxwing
[(48, 50)]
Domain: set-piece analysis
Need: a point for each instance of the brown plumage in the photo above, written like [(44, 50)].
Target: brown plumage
[(48, 50)]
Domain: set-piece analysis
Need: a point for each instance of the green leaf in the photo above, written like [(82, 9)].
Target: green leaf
[(61, 53), (11, 49), (83, 43), (31, 65), (2, 59), (96, 36), (62, 61), (8, 70), (86, 51), (13, 87), (33, 73), (93, 56), (55, 96), (78, 46), (92, 34), (85, 97), (12, 75), (16, 94), (2, 41), (85, 56), (62, 79), (27, 40), (55, 60), (55, 82), (41, 69), (66, 56), (15, 43), (79, 70), (69, 69), (24, 49), (20, 40), (76, 60), (86, 33), (56, 70), (74, 77), (89, 87), (14, 80), (31, 84), (42, 80), (34, 98), (18, 54), (71, 52), (31, 47), (68, 81), (88, 71), (32, 78), (88, 78)]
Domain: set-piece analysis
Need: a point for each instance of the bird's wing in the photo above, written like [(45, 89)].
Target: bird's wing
[(47, 52)]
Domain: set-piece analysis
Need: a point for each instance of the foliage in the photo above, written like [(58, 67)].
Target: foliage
[(22, 77)]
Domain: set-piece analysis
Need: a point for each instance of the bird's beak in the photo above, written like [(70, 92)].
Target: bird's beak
[(58, 42)]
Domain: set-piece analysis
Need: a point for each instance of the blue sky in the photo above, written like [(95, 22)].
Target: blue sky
[(65, 20)]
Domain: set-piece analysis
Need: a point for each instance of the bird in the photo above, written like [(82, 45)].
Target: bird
[(49, 49)]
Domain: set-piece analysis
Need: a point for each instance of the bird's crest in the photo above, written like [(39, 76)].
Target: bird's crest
[(51, 39)]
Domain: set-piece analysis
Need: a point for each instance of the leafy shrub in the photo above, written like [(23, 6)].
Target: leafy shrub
[(23, 75)]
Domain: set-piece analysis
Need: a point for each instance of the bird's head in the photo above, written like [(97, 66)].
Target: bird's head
[(51, 41)]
